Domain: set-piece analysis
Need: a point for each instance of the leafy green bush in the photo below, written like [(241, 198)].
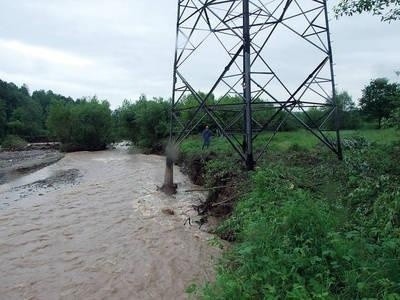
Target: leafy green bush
[(26, 120), (393, 120), (292, 242), (145, 122), (355, 142), (13, 142), (3, 119), (84, 125), (220, 171)]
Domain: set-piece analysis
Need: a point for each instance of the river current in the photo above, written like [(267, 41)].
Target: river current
[(94, 226)]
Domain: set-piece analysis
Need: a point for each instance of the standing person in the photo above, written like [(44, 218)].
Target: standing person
[(206, 134)]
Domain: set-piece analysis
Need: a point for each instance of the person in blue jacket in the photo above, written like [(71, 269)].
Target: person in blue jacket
[(206, 134)]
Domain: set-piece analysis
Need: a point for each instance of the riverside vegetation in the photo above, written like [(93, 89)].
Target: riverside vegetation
[(302, 225), (89, 123), (305, 226)]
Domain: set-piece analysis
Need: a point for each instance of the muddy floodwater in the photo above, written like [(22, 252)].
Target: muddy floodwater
[(94, 226)]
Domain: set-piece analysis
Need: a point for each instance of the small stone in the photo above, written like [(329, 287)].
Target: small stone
[(168, 211)]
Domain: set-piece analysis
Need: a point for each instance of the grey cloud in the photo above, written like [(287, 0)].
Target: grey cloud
[(131, 43)]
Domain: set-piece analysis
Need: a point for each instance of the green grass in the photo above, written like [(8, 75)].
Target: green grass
[(193, 145), (380, 136), (310, 227), (283, 141)]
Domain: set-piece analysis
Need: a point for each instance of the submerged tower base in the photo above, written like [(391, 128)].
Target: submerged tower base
[(169, 187)]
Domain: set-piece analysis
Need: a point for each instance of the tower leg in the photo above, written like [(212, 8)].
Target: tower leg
[(247, 87), (337, 112), (169, 187)]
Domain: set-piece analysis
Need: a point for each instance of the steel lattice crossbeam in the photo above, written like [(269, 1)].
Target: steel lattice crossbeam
[(269, 62)]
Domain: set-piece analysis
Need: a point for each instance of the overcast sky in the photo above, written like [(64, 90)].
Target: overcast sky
[(119, 49)]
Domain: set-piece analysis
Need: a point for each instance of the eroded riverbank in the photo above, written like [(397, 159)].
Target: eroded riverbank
[(104, 234)]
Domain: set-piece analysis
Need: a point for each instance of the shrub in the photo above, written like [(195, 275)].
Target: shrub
[(84, 125), (145, 122), (13, 142), (292, 242), (393, 120)]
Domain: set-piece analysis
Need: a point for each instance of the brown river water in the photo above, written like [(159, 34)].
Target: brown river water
[(94, 226)]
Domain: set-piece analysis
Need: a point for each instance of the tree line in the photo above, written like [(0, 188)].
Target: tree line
[(90, 124)]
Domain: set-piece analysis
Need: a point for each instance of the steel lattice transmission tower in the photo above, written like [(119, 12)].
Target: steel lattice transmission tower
[(269, 62)]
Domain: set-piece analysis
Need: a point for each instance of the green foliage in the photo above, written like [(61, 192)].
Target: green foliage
[(59, 121), (189, 103), (3, 119), (84, 125), (349, 115), (220, 171), (300, 140), (47, 99), (26, 120), (283, 141), (379, 99), (25, 115), (313, 114), (388, 9), (315, 229), (13, 142), (12, 96), (22, 115), (382, 136), (145, 122), (152, 120), (393, 120)]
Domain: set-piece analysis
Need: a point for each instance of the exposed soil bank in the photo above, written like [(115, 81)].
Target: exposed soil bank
[(94, 226), (224, 187)]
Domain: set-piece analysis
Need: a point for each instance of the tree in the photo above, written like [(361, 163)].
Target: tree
[(145, 122), (12, 96), (91, 120), (84, 125), (25, 89), (26, 120), (379, 98), (47, 99), (394, 119), (152, 122), (344, 101), (389, 10), (349, 115), (124, 119), (59, 122), (3, 119)]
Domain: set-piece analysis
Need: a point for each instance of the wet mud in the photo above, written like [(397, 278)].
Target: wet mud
[(14, 164), (94, 226)]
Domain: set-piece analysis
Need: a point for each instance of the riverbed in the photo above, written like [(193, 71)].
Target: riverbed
[(94, 226)]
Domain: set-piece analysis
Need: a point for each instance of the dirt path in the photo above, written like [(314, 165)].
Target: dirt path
[(92, 226)]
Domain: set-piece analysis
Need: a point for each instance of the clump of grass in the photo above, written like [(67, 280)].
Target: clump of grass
[(310, 226), (380, 136), (294, 240)]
